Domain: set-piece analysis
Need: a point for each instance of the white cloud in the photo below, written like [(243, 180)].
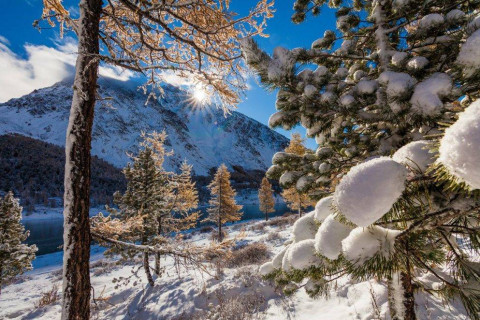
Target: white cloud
[(43, 67)]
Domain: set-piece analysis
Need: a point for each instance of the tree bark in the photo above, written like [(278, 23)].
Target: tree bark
[(146, 266), (408, 296), (401, 288), (220, 234), (76, 277), (266, 216), (157, 255), (146, 263)]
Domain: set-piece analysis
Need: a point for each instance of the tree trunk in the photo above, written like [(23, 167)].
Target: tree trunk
[(408, 296), (76, 278), (146, 266), (157, 255), (401, 298), (220, 234), (146, 263), (266, 216)]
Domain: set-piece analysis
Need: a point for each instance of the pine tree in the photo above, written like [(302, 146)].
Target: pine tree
[(295, 196), (265, 198), (387, 81), (155, 203), (222, 205), (143, 199), (15, 257)]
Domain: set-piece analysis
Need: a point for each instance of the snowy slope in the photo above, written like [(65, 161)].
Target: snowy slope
[(189, 294), (204, 137)]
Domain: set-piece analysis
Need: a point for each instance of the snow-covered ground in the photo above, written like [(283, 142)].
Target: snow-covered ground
[(194, 295)]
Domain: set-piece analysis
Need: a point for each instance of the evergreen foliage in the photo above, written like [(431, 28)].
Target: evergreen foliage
[(222, 205), (155, 203), (34, 170), (15, 256), (393, 72), (265, 198)]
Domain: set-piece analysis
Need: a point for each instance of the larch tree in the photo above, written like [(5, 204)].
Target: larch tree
[(180, 210), (392, 103), (196, 39), (294, 194), (222, 205), (15, 256), (265, 198)]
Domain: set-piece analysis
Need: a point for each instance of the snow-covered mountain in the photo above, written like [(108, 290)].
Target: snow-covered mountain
[(204, 137)]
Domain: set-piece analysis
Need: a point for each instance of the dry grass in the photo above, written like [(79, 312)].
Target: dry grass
[(254, 253), (242, 307), (273, 236), (277, 222), (48, 297)]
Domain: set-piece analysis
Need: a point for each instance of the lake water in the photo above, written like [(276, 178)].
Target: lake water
[(48, 234)]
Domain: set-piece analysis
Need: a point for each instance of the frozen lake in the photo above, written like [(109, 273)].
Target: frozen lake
[(47, 234)]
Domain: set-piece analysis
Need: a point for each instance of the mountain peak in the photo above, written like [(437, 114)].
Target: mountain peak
[(205, 137)]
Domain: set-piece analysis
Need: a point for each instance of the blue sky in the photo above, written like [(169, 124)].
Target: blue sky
[(17, 32)]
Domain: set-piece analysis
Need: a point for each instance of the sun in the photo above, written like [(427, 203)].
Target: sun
[(200, 97)]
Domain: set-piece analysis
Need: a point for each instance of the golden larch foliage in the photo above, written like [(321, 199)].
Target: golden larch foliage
[(223, 207), (295, 200), (297, 145), (194, 39), (265, 197)]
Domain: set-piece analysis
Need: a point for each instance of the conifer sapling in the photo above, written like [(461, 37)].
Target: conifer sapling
[(15, 256)]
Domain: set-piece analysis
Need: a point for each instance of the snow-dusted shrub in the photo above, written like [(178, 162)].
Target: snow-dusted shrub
[(369, 190), (416, 155), (305, 227), (460, 147), (328, 240), (364, 243), (254, 253), (48, 297)]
